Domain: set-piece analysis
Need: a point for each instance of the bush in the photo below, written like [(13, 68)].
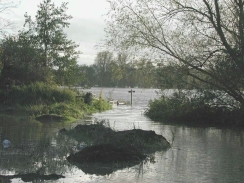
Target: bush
[(100, 105), (202, 108), (65, 109), (35, 94), (39, 99)]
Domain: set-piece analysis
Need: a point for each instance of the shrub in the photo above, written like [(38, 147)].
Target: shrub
[(40, 99), (200, 108), (36, 93), (65, 109), (100, 105)]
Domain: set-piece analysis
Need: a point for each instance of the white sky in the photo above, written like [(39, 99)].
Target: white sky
[(86, 28)]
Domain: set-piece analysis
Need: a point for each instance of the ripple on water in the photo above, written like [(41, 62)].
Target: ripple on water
[(203, 155)]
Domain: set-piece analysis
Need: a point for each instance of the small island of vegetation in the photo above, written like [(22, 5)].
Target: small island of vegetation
[(102, 150), (36, 62)]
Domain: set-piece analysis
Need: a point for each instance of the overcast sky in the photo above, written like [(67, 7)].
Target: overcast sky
[(87, 25)]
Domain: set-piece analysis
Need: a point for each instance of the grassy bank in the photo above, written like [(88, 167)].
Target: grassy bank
[(39, 99), (203, 109)]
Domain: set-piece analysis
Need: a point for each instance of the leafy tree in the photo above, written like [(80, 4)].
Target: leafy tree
[(21, 62), (102, 65), (70, 76), (89, 76), (145, 72), (57, 51), (41, 51), (205, 38), (119, 69)]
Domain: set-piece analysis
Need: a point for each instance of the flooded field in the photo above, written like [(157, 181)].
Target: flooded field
[(203, 155)]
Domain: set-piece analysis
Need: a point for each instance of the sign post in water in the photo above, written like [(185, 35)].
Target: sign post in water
[(131, 91)]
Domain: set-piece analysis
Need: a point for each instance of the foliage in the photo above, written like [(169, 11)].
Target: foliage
[(48, 27), (41, 52), (39, 99), (68, 110), (89, 76), (144, 73), (206, 108), (120, 70), (102, 66), (203, 38), (100, 105), (21, 63), (36, 93)]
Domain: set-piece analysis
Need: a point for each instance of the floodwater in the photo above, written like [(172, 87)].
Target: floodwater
[(198, 155)]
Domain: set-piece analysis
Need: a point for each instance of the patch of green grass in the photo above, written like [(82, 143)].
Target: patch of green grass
[(36, 94), (40, 99)]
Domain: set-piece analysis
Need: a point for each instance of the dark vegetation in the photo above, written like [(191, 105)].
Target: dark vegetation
[(186, 58), (144, 141), (118, 148), (30, 177), (210, 108), (196, 45), (49, 102), (36, 62)]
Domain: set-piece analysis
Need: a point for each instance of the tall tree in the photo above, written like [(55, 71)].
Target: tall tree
[(119, 69), (41, 51), (89, 74), (21, 62), (145, 73), (102, 64), (58, 51), (204, 37)]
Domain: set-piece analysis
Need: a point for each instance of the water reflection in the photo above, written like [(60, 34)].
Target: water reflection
[(33, 149), (198, 154), (41, 150), (108, 168)]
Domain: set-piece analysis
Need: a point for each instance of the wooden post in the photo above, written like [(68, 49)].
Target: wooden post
[(131, 91)]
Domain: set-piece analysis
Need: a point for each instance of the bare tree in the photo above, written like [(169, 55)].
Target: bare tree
[(5, 10), (204, 36)]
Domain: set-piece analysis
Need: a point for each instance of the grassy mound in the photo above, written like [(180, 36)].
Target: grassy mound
[(109, 150), (43, 101), (141, 140)]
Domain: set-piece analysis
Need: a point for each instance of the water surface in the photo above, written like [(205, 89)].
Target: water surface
[(201, 155)]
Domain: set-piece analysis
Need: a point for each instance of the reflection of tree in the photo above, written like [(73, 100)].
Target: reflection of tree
[(46, 157), (34, 150), (38, 151)]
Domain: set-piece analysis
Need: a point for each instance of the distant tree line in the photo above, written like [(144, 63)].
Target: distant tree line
[(109, 70), (123, 70), (41, 52)]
